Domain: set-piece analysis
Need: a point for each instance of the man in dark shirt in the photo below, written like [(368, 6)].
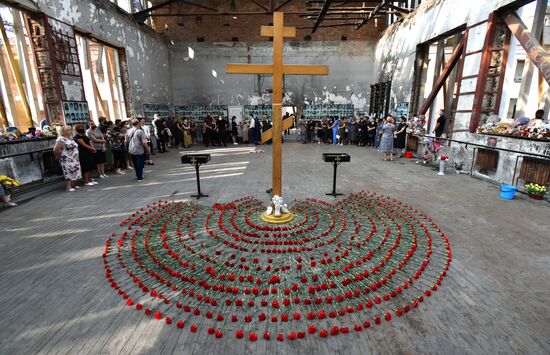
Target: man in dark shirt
[(222, 130), (209, 126), (440, 124)]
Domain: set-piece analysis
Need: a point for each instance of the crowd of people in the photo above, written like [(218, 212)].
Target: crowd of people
[(93, 150), (115, 146), (384, 135)]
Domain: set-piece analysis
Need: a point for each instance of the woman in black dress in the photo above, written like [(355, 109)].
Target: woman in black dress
[(234, 130), (86, 154), (401, 134)]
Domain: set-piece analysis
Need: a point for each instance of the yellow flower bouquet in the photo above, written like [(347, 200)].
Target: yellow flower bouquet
[(536, 189), (8, 184)]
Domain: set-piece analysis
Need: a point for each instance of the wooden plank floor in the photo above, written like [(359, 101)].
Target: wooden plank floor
[(54, 297)]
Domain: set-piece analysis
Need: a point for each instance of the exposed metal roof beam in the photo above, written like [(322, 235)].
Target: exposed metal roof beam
[(282, 5), (199, 5), (322, 14), (260, 5), (372, 14), (398, 9), (142, 15)]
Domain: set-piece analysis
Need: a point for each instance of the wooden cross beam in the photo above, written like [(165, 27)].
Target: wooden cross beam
[(278, 70), (287, 124)]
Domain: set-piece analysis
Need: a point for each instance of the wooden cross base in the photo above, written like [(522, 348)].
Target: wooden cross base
[(282, 219)]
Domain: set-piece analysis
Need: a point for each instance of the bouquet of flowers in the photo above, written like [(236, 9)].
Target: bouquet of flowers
[(8, 184), (536, 189)]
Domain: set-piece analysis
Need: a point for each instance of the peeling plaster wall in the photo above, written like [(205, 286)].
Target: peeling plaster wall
[(147, 54), (350, 64), (396, 50)]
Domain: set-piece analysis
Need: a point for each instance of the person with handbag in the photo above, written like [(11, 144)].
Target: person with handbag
[(136, 143), (116, 141), (98, 142)]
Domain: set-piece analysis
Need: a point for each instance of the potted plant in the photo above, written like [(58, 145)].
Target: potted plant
[(536, 191), (8, 184)]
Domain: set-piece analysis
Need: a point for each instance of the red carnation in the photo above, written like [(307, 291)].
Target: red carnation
[(366, 324), (130, 302), (219, 334), (334, 331), (323, 333), (193, 328), (321, 315), (147, 311), (168, 320), (311, 329), (280, 337), (358, 328), (252, 337), (139, 306), (239, 334), (180, 324), (377, 320), (292, 336), (344, 330), (248, 319), (388, 316), (399, 312), (211, 331), (296, 316), (301, 335), (284, 317), (158, 315), (266, 336), (234, 318)]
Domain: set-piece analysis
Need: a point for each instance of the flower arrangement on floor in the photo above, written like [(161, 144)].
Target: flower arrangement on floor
[(536, 191), (8, 184), (221, 271)]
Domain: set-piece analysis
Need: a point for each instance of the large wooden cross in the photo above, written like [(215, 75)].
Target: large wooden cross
[(277, 69)]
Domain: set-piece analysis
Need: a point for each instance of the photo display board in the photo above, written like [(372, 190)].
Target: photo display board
[(149, 111), (197, 113), (402, 109), (76, 112), (258, 111), (320, 111)]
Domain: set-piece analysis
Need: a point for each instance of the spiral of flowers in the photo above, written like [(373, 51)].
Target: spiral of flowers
[(335, 269)]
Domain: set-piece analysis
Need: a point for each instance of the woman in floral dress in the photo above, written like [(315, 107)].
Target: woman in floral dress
[(66, 150)]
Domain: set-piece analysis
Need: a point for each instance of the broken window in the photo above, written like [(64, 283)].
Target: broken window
[(21, 100), (123, 4), (102, 75)]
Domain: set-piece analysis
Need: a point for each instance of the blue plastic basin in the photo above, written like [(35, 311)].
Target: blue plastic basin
[(507, 192)]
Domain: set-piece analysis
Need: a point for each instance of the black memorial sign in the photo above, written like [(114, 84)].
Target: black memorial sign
[(196, 160), (335, 159)]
